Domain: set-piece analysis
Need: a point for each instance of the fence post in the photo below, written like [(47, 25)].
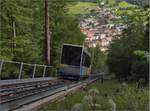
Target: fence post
[(34, 71), (1, 66), (20, 72), (44, 70)]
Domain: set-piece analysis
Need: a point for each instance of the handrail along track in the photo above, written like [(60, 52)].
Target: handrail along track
[(20, 93), (17, 92)]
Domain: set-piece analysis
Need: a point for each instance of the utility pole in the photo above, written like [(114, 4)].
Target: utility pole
[(47, 34)]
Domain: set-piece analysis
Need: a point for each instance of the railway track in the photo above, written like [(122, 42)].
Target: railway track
[(16, 93), (10, 89)]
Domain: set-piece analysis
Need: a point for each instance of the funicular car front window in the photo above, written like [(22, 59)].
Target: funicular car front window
[(71, 55)]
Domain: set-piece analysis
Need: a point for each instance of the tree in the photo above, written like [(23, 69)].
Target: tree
[(140, 67), (22, 31), (146, 30), (18, 42), (120, 53), (98, 59), (47, 34), (65, 31), (15, 27), (131, 40)]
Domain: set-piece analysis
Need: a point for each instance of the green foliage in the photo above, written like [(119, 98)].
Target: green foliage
[(124, 4), (109, 3), (65, 103), (141, 55), (140, 67), (106, 95), (98, 59), (77, 107), (120, 63), (24, 46), (65, 31), (146, 35), (120, 95), (121, 51), (80, 8), (22, 30), (10, 71)]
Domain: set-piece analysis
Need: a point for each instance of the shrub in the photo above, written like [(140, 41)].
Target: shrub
[(140, 67)]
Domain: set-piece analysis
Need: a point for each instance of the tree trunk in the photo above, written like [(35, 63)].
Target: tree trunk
[(47, 34), (14, 33)]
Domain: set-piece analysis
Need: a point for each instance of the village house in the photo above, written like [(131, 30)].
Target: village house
[(98, 30)]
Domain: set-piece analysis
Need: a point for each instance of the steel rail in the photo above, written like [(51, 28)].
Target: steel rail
[(18, 89), (19, 92), (39, 93), (31, 92), (7, 83)]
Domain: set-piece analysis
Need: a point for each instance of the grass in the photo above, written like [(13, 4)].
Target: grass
[(65, 103), (111, 2), (125, 4), (125, 97), (81, 8)]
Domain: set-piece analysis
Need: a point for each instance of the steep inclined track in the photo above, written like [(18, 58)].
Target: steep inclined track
[(7, 83), (12, 89), (15, 93)]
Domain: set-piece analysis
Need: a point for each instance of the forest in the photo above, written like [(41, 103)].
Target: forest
[(23, 33), (33, 32), (23, 36), (128, 54)]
